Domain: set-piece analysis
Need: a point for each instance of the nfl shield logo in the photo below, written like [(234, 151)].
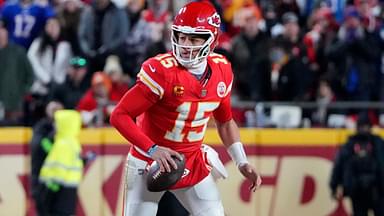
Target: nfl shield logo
[(203, 93)]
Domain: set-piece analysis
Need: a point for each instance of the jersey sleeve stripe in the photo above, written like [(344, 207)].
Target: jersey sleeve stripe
[(150, 83), (228, 89), (141, 151)]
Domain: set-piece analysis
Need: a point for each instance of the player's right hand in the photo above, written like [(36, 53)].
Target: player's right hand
[(162, 155)]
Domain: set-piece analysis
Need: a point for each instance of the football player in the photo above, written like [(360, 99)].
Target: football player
[(175, 95), (25, 20)]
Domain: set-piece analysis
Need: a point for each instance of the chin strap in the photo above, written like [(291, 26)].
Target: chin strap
[(198, 69)]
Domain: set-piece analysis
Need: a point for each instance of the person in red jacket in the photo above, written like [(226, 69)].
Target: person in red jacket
[(119, 82), (96, 104), (174, 96)]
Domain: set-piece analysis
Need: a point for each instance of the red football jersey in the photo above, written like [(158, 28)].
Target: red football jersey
[(182, 107)]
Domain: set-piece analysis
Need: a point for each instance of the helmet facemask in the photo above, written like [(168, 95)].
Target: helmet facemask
[(202, 50)]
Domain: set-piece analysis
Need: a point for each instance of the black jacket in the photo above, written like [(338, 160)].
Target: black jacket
[(43, 129), (353, 172)]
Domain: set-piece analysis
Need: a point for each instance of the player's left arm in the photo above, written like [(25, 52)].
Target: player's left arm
[(230, 136)]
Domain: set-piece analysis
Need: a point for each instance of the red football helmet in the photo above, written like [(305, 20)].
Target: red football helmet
[(196, 18)]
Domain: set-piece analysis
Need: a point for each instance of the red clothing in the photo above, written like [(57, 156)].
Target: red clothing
[(88, 101), (149, 16), (310, 40), (173, 109), (117, 91)]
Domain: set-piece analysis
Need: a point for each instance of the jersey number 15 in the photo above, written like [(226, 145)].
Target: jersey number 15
[(199, 121)]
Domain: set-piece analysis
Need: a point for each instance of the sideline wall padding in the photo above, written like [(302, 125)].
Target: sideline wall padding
[(295, 165)]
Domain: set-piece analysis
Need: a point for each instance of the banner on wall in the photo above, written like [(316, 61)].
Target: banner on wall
[(295, 166)]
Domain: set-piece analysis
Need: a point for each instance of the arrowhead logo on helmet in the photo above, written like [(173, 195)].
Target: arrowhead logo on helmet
[(214, 20)]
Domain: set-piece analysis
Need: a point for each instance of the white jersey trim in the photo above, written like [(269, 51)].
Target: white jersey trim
[(228, 89), (150, 83), (141, 152)]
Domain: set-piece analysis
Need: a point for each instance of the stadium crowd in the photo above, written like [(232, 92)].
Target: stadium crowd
[(86, 53)]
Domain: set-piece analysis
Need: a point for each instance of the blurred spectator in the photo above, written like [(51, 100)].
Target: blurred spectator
[(25, 20), (137, 39), (358, 172), (243, 12), (368, 11), (337, 7), (160, 25), (230, 12), (41, 143), (160, 42), (177, 4), (291, 78), (353, 58), (272, 22), (306, 9), (157, 11), (285, 6), (96, 104), (291, 33), (120, 84), (69, 12), (149, 27), (15, 79), (70, 92), (324, 97), (290, 38), (283, 78), (49, 56), (102, 30), (322, 33), (250, 57)]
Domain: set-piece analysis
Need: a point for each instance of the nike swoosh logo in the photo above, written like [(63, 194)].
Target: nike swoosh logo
[(152, 68)]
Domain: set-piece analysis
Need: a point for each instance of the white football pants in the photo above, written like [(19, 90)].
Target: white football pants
[(203, 199)]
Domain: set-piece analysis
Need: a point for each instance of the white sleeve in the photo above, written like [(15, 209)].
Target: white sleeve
[(61, 64), (35, 59)]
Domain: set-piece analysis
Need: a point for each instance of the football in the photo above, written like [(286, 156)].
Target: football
[(160, 181)]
